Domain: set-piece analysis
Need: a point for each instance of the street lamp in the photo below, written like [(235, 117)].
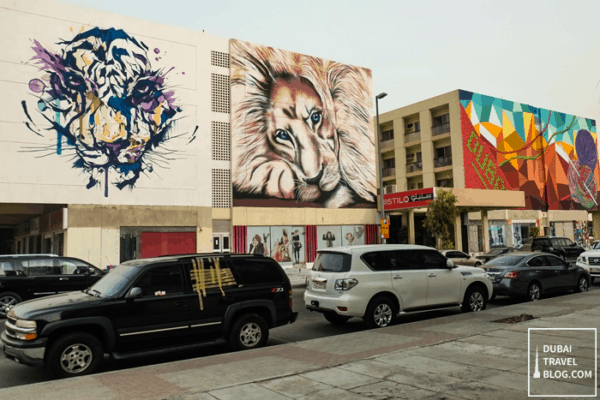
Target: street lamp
[(380, 96)]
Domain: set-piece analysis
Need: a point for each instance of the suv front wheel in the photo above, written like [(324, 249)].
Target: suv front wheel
[(475, 299), (250, 331), (380, 313), (74, 354)]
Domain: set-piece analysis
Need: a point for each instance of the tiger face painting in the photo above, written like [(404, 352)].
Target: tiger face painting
[(301, 129), (108, 107)]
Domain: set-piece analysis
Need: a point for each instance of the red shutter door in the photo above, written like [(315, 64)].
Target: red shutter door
[(156, 244)]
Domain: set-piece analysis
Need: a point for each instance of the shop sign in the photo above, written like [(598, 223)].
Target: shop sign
[(385, 228), (409, 199)]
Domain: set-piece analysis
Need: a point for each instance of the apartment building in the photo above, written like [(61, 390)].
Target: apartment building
[(484, 149)]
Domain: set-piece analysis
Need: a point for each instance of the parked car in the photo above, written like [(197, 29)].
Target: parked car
[(376, 282), (460, 258), (562, 247), (525, 245), (532, 274), (152, 306), (595, 245), (590, 261), (495, 252), (27, 276)]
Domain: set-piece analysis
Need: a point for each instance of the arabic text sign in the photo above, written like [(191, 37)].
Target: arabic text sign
[(409, 199)]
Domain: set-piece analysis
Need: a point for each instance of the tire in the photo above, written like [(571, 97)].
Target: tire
[(7, 301), (534, 291), (74, 354), (335, 318), (250, 331), (475, 299), (380, 313), (478, 265), (582, 285), (592, 280), (493, 296)]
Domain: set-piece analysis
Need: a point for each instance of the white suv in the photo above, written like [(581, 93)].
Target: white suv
[(590, 261), (376, 282)]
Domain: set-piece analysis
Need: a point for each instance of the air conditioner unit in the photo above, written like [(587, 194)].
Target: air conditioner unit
[(389, 189), (411, 168)]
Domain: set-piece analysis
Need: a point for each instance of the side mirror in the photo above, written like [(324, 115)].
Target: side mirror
[(133, 293), (450, 264)]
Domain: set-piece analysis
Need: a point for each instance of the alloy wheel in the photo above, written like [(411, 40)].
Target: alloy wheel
[(534, 292), (76, 358), (6, 303), (476, 301), (583, 285), (382, 315), (250, 334)]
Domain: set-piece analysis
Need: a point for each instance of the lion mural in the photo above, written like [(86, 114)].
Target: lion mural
[(301, 129), (103, 98)]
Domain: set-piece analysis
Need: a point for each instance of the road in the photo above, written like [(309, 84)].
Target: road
[(309, 325)]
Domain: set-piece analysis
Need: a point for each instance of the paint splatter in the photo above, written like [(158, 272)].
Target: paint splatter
[(36, 85), (156, 50)]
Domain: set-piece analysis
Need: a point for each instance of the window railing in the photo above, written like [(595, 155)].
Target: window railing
[(440, 129), (442, 161), (388, 172), (414, 167), (412, 136)]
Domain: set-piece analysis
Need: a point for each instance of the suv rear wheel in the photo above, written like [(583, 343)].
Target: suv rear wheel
[(534, 292), (380, 313), (250, 331), (335, 318), (74, 354), (7, 301), (475, 299)]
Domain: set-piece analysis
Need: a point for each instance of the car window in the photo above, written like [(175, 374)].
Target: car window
[(541, 242), (381, 260), (71, 266), (568, 242), (161, 281), (332, 262), (539, 261), (256, 271), (409, 260), (431, 259), (507, 260), (555, 261), (5, 266), (557, 242), (42, 267), (456, 254)]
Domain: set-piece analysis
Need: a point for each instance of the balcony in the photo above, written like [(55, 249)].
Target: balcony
[(388, 172), (440, 129), (414, 167), (442, 162), (412, 137)]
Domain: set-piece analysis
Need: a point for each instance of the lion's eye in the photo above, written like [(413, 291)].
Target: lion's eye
[(283, 135), (75, 82), (315, 117), (142, 87)]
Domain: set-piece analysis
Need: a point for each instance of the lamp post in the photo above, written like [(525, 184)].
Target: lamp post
[(380, 96)]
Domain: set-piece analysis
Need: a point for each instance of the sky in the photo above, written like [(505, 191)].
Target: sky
[(543, 53)]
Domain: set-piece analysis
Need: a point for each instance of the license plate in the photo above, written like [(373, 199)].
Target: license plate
[(319, 285), (594, 269)]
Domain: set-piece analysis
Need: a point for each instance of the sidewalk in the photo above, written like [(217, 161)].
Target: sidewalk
[(297, 276), (463, 356)]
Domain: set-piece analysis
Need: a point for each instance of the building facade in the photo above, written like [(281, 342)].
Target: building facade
[(468, 141), (126, 139)]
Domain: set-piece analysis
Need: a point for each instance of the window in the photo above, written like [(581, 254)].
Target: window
[(557, 242), (567, 242), (409, 260), (456, 254), (389, 163), (420, 185), (419, 157), (5, 266), (443, 151), (417, 127), (445, 182), (381, 260), (161, 279), (387, 135), (538, 261), (332, 262), (433, 260), (257, 271), (555, 261), (441, 120), (41, 267), (75, 267)]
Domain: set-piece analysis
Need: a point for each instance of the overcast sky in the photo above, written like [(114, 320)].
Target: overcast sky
[(544, 53)]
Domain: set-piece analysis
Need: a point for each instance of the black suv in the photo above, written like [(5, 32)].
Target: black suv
[(562, 247), (152, 306), (27, 276)]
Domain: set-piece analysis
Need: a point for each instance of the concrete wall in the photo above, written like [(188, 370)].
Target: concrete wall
[(252, 216)]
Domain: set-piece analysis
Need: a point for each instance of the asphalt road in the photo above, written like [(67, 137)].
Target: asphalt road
[(309, 325)]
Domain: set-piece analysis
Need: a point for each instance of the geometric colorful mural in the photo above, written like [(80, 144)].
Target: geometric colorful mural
[(301, 130), (551, 156), (103, 105)]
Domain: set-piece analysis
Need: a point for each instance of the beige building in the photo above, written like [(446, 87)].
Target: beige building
[(477, 145)]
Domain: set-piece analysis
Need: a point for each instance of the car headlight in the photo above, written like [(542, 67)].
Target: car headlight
[(22, 329), (584, 260), (21, 323), (345, 284)]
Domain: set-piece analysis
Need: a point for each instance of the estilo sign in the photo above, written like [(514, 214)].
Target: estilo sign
[(409, 199)]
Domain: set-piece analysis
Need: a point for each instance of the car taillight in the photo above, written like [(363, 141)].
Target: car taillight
[(291, 298), (512, 275)]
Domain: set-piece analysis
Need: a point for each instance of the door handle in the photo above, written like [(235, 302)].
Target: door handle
[(397, 277), (64, 279), (432, 275)]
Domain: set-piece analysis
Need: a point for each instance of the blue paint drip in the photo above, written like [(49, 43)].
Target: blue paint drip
[(58, 133)]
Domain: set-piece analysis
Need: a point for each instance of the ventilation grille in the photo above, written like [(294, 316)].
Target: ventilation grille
[(219, 59), (221, 141), (221, 188), (219, 89)]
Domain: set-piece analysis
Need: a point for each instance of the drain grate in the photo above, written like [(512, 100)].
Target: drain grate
[(516, 319)]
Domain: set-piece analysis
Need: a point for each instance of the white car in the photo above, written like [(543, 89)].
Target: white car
[(376, 282), (590, 261)]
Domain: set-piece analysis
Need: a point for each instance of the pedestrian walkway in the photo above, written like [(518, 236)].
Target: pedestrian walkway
[(463, 356)]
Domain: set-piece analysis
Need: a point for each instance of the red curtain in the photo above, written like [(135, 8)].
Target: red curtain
[(371, 234), (240, 236), (311, 242)]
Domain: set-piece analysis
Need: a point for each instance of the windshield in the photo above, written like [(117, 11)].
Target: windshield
[(495, 252), (506, 260), (332, 262), (114, 281)]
